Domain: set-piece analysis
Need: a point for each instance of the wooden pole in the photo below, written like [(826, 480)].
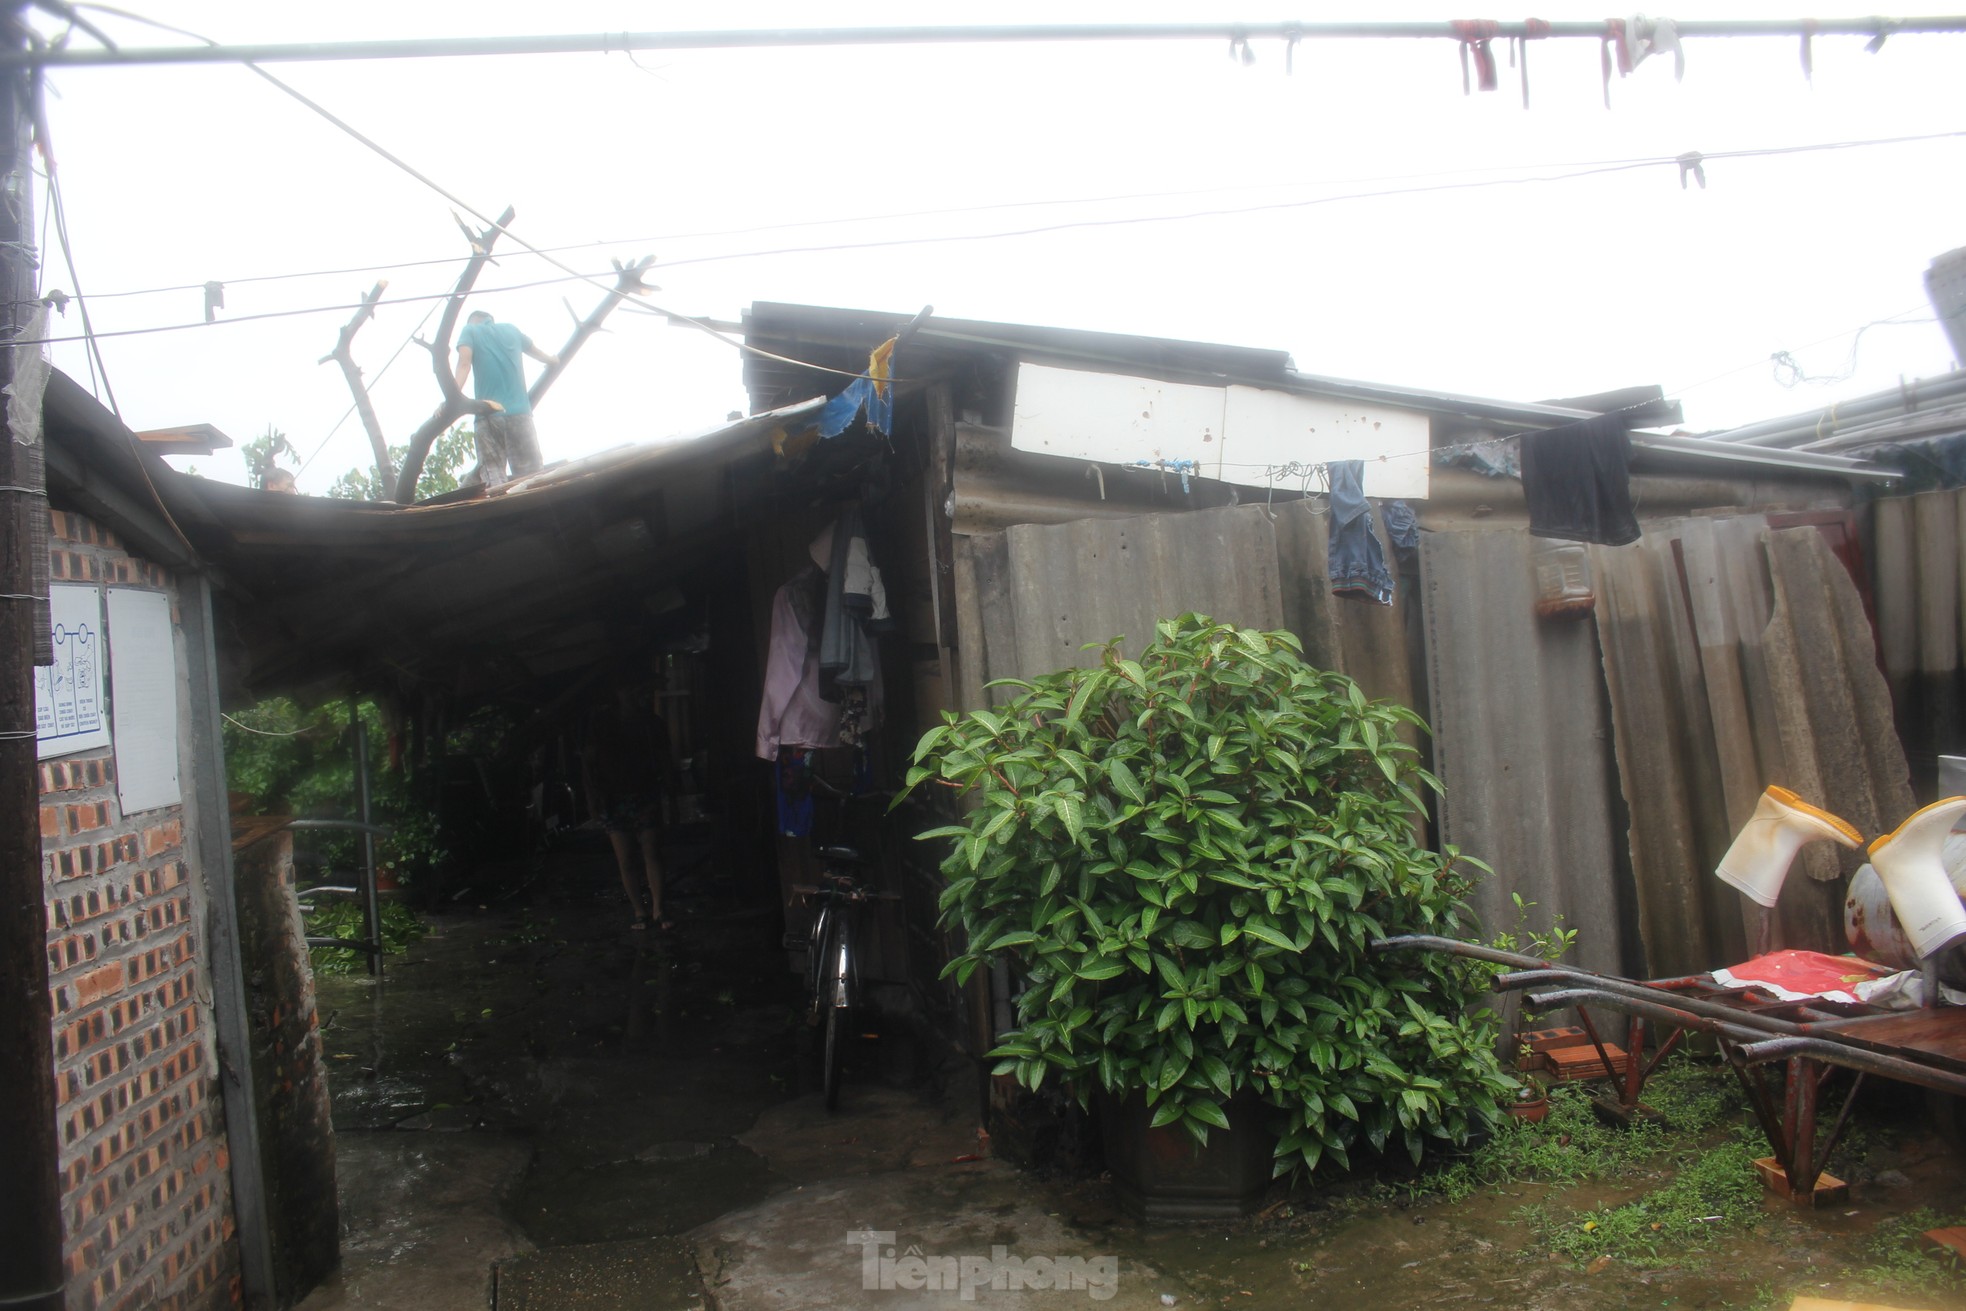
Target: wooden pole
[(30, 1185)]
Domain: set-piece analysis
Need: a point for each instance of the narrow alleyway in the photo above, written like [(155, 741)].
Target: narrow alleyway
[(541, 1109)]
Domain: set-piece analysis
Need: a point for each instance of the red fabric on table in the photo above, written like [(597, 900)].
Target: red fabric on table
[(1807, 971)]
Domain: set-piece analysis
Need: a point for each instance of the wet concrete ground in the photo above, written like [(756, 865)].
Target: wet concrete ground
[(539, 1108)]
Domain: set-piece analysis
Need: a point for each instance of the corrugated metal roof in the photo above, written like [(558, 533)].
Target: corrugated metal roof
[(503, 588)]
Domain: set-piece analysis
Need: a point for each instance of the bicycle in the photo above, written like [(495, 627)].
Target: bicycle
[(832, 958)]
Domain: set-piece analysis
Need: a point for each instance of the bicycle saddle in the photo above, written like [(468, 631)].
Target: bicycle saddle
[(842, 856)]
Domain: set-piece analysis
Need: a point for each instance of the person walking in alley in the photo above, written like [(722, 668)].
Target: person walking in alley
[(488, 356), (626, 760)]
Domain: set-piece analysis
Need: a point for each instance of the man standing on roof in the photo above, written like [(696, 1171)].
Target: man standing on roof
[(488, 354)]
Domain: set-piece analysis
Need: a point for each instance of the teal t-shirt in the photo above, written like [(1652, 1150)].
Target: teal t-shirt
[(497, 371)]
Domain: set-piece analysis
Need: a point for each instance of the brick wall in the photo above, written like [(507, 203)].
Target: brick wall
[(146, 1200)]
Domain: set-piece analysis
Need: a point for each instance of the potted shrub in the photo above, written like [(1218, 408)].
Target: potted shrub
[(1185, 858)]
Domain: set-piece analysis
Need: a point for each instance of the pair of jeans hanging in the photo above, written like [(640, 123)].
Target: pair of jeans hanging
[(1357, 564)]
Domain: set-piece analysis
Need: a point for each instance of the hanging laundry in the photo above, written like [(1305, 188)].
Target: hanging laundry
[(1357, 562), (855, 608), (872, 392), (791, 784), (793, 713), (1476, 36), (1403, 531), (1533, 29), (1577, 480), (1646, 37)]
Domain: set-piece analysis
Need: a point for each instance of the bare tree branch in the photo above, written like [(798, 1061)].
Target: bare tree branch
[(627, 282), (343, 354), (454, 406)]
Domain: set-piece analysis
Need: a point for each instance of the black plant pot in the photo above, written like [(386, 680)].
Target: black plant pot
[(1163, 1175)]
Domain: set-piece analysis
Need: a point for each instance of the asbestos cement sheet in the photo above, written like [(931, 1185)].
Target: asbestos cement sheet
[(1833, 712), (1668, 768), (1093, 580), (1522, 741)]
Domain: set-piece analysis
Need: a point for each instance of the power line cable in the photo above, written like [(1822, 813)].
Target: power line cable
[(491, 224), (68, 256), (1052, 202), (296, 313), (405, 345), (1068, 225)]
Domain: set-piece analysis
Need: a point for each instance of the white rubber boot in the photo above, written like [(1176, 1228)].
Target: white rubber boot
[(1765, 847), (1911, 864)]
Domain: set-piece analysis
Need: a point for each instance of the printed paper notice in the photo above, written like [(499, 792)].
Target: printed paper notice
[(69, 714), (143, 699)]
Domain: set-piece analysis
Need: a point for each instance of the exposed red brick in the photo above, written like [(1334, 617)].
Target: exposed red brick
[(99, 982)]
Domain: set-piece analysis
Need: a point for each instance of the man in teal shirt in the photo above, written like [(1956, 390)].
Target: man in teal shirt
[(488, 355)]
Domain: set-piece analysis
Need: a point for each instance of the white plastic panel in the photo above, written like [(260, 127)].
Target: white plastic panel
[(1237, 434), (1274, 428), (1117, 419)]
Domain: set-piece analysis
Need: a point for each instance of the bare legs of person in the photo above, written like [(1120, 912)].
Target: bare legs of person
[(625, 858)]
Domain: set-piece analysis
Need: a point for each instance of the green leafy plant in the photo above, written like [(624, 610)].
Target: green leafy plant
[(341, 918), (450, 455), (299, 760), (1186, 858)]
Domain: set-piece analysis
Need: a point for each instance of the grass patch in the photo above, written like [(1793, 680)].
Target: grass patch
[(1897, 1263), (1696, 1161), (1572, 1145), (1712, 1193)]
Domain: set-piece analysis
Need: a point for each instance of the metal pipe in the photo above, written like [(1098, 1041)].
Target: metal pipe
[(1535, 970), (1548, 1001), (339, 826), (371, 912), (1818, 424), (1855, 1058), (956, 34), (1644, 992)]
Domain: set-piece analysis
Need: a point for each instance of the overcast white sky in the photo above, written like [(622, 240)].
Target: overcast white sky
[(712, 161)]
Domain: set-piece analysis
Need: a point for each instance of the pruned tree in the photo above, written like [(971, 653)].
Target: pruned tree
[(454, 404), (344, 355)]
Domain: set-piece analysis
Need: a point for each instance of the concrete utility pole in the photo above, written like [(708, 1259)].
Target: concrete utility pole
[(30, 1188)]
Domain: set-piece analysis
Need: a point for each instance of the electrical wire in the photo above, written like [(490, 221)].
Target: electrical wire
[(263, 732), (1894, 319), (296, 313), (1054, 202), (1128, 220), (89, 333), (491, 224), (378, 378)]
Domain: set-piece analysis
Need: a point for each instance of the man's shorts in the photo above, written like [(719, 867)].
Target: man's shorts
[(508, 448)]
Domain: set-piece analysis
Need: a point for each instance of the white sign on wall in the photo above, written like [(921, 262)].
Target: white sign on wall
[(1236, 434), (143, 699), (70, 713)]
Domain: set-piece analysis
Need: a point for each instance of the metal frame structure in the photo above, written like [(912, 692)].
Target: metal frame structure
[(1811, 1038)]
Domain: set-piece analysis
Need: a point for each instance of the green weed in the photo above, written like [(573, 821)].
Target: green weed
[(1898, 1264), (343, 919)]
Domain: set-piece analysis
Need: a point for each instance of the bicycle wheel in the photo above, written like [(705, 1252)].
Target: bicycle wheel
[(836, 1025), (816, 952), (833, 999)]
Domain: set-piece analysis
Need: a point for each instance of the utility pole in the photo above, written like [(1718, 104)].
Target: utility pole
[(30, 1187)]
